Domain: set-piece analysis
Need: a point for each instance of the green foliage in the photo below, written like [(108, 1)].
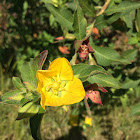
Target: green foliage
[(86, 71), (135, 110), (35, 123), (130, 54), (128, 83), (28, 70), (12, 97), (63, 16), (124, 7), (79, 24), (87, 7), (104, 80), (18, 84), (27, 110), (28, 27), (105, 56)]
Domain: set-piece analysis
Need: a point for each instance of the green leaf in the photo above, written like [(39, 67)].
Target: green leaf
[(29, 69), (87, 7), (63, 16), (29, 75), (129, 19), (71, 5), (113, 18), (86, 70), (77, 44), (133, 40), (35, 123), (125, 7), (100, 22), (40, 59), (12, 97), (104, 80), (137, 23), (28, 110), (18, 84), (130, 54), (46, 1), (135, 110), (105, 56), (130, 84), (80, 24)]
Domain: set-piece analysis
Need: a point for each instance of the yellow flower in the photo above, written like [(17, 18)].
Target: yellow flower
[(58, 86), (88, 120)]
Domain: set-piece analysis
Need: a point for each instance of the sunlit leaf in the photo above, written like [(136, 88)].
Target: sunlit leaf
[(27, 110), (12, 97), (17, 83)]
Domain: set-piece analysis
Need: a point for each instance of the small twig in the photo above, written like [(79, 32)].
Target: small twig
[(87, 107), (104, 7), (89, 113)]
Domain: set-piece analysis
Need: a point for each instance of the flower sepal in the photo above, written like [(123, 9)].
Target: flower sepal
[(27, 110)]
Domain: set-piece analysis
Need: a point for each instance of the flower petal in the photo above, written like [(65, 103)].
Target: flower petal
[(63, 68), (74, 92), (42, 74), (53, 100), (43, 100)]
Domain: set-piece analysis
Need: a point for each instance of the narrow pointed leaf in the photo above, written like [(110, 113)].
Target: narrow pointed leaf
[(80, 24), (63, 16), (17, 83), (12, 97), (40, 59), (138, 20)]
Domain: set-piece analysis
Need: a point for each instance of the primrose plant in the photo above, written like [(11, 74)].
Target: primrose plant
[(65, 83)]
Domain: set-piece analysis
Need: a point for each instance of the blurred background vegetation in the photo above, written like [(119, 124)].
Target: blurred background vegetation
[(26, 29)]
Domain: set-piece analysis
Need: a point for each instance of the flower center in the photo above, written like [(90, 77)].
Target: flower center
[(55, 86)]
